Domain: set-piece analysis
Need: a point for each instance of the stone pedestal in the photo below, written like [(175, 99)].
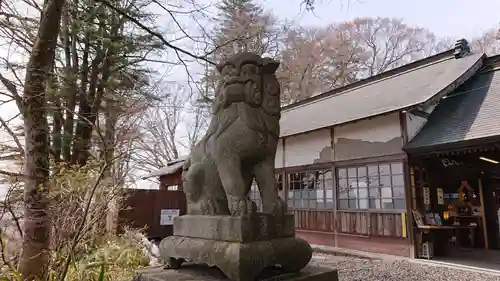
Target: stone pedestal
[(241, 247), (201, 273)]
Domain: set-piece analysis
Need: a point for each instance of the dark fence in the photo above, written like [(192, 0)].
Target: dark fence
[(152, 210)]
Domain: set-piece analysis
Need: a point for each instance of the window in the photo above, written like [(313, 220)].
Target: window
[(371, 187), (173, 187), (310, 190)]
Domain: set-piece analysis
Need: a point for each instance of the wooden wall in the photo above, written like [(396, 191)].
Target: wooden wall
[(351, 222), (171, 179), (361, 231), (142, 208)]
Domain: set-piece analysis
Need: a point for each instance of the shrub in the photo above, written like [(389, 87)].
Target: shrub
[(80, 199)]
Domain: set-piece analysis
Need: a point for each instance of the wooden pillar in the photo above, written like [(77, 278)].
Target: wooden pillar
[(483, 215), (284, 187), (409, 183), (335, 207)]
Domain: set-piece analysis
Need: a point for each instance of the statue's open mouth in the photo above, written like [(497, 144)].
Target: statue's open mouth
[(239, 80), (234, 89), (238, 89)]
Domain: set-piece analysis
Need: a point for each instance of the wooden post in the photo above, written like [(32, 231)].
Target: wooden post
[(408, 218), (481, 198), (335, 207)]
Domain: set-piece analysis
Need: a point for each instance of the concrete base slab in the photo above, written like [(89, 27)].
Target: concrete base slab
[(193, 272)]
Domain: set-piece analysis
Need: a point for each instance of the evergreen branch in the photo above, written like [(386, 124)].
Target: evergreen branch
[(155, 34)]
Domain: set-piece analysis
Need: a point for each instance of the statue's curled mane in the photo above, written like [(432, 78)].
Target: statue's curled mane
[(260, 112)]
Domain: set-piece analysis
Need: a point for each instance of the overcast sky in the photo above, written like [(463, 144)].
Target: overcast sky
[(454, 18)]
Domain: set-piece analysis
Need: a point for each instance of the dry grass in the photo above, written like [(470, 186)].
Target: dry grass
[(80, 200)]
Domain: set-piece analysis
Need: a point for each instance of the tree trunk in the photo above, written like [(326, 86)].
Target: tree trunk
[(108, 151), (70, 89), (35, 255)]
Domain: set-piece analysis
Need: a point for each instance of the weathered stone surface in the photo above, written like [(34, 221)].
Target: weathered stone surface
[(222, 227), (239, 261), (235, 229), (240, 142), (203, 273)]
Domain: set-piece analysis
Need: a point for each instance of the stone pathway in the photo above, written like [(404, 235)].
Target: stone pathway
[(357, 269)]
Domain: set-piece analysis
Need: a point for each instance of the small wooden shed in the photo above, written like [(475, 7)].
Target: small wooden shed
[(154, 209), (170, 176)]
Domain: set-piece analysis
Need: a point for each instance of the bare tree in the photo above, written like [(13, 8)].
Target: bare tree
[(34, 260), (488, 43), (387, 43), (315, 60), (159, 129), (195, 125)]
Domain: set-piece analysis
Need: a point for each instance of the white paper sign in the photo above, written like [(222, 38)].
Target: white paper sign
[(427, 196), (167, 216), (440, 196)]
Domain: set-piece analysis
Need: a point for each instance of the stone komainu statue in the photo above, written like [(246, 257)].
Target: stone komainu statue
[(240, 143)]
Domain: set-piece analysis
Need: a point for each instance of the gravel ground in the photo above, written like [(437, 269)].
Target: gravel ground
[(356, 269)]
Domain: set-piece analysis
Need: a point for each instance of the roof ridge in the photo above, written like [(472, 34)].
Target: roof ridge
[(448, 54), (468, 129), (419, 85), (370, 83)]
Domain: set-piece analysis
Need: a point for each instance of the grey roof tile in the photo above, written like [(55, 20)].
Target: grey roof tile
[(399, 91), (471, 112)]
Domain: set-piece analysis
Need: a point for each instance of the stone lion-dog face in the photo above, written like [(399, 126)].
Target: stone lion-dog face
[(240, 143), (246, 77)]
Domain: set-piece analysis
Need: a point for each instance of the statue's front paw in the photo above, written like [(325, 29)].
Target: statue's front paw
[(211, 207), (242, 207), (279, 207)]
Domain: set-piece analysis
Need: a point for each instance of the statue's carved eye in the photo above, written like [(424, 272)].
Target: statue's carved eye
[(249, 69)]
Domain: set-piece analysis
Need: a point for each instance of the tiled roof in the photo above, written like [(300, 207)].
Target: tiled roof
[(414, 84), (469, 113)]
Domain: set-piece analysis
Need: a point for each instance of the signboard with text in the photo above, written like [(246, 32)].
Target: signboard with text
[(167, 216)]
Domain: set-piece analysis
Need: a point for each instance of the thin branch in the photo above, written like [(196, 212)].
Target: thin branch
[(12, 89), (7, 206), (13, 135), (12, 174), (155, 34)]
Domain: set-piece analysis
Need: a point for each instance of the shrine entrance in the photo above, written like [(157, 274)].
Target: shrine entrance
[(456, 206)]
